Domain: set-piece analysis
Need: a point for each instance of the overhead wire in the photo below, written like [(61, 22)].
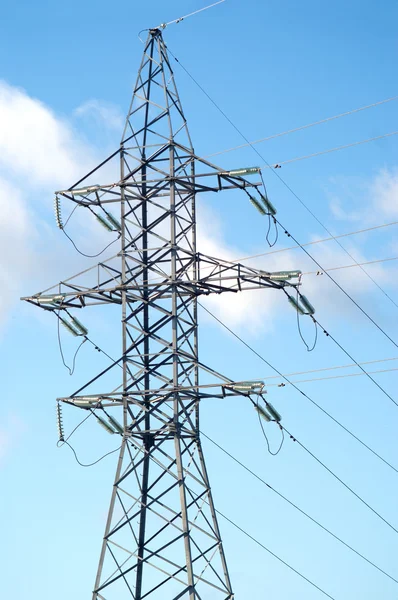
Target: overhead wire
[(270, 487), (334, 377), (255, 475), (334, 280), (368, 362), (325, 412), (195, 12), (295, 195), (356, 362), (294, 439), (369, 262), (295, 506), (301, 127), (273, 554), (316, 241), (328, 151)]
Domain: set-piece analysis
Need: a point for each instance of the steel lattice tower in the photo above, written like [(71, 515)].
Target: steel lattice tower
[(162, 539)]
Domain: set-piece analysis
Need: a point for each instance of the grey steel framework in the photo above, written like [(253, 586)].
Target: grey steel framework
[(162, 539)]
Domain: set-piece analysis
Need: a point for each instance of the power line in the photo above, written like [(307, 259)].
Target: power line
[(334, 281), (248, 470), (276, 135), (336, 537), (357, 363), (299, 390), (317, 241), (336, 377), (163, 25), (297, 197), (273, 554), (328, 151), (368, 362), (339, 286), (260, 479), (369, 262), (340, 480)]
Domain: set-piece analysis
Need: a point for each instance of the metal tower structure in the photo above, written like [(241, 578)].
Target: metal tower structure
[(162, 539)]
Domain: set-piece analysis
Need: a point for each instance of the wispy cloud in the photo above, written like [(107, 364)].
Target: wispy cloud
[(39, 151), (105, 113), (364, 200)]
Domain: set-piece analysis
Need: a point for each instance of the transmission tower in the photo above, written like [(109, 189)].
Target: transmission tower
[(162, 539)]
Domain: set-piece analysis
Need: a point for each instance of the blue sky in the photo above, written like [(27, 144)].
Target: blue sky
[(67, 72)]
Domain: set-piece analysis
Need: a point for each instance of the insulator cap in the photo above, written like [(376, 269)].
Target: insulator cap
[(307, 305), (243, 171), (284, 275), (273, 412), (263, 413), (115, 424), (104, 222), (60, 425), (57, 210), (257, 205), (105, 425), (69, 327), (270, 208), (113, 221), (80, 326)]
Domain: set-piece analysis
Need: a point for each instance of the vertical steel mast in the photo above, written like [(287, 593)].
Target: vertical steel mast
[(162, 539)]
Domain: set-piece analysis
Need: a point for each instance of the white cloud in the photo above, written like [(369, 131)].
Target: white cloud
[(256, 311), (104, 113), (364, 200), (36, 146), (40, 151), (16, 240), (384, 191)]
